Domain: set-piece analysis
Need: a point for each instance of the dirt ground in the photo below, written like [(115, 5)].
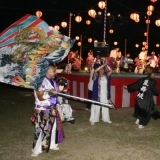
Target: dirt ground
[(120, 140)]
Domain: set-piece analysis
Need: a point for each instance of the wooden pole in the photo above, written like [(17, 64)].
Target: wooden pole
[(125, 49), (69, 34)]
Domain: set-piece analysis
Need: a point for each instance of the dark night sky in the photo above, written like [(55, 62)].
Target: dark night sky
[(55, 11)]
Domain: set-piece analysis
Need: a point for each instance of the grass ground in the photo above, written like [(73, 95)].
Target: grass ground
[(121, 140)]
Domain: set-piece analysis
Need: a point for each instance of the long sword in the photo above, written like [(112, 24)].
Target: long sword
[(88, 100)]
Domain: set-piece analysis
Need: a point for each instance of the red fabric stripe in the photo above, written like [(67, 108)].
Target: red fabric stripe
[(15, 23), (117, 82), (9, 37), (118, 90), (36, 22)]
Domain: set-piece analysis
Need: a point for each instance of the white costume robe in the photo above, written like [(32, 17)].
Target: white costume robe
[(95, 109)]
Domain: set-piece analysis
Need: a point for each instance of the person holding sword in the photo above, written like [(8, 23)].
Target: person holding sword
[(48, 125)]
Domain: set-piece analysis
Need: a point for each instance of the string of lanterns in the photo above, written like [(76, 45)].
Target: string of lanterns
[(92, 13), (102, 4), (135, 17), (157, 22)]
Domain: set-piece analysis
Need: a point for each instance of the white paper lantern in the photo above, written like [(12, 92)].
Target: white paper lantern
[(39, 14), (101, 4)]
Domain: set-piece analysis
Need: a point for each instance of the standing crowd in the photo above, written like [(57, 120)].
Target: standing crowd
[(124, 63)]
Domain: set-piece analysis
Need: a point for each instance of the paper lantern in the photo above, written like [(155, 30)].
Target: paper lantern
[(144, 43), (153, 1), (149, 13), (88, 22), (78, 19), (56, 27), (99, 13), (101, 4), (147, 21), (77, 37), (134, 16), (90, 40), (64, 24), (145, 34), (39, 14), (157, 22), (92, 13), (115, 43), (137, 45), (150, 8), (79, 43), (137, 20), (111, 31)]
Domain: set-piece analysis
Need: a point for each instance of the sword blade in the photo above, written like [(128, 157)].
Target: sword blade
[(84, 99)]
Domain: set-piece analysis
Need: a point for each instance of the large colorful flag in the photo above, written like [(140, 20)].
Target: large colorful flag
[(27, 47)]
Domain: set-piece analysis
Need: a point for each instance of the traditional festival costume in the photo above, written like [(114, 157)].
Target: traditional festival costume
[(48, 126), (144, 103), (65, 109), (141, 63), (153, 61), (101, 93)]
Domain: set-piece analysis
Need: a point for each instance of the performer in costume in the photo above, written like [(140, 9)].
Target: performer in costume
[(126, 62), (113, 53), (97, 60), (90, 86), (63, 106), (113, 60), (141, 63), (153, 61), (101, 93), (48, 125), (76, 62), (144, 103), (90, 60), (68, 67), (118, 59), (158, 59), (112, 63), (65, 110)]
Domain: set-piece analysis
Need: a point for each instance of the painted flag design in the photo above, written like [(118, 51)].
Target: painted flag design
[(27, 47)]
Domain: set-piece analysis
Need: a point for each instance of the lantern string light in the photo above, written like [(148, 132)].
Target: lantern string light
[(79, 12)]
